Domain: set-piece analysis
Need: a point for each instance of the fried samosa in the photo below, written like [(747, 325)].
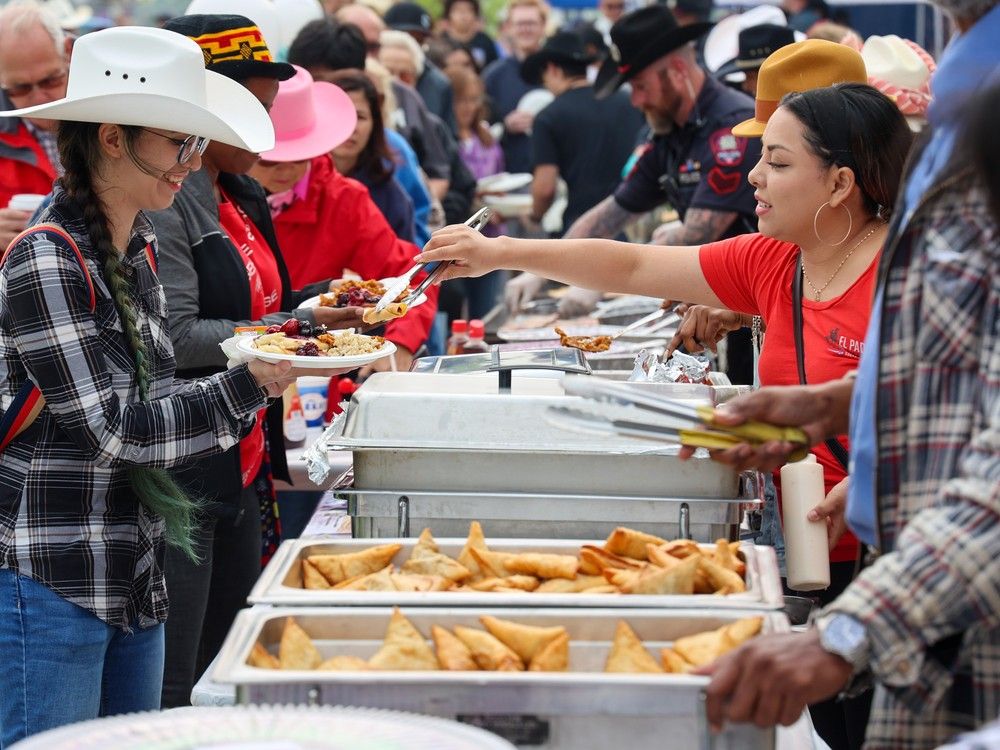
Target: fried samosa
[(403, 648), (262, 658), (630, 543), (628, 654), (344, 664), (452, 654), (337, 568), (488, 652), (297, 650), (524, 640), (425, 545), (554, 657), (311, 577), (543, 565), (436, 564)]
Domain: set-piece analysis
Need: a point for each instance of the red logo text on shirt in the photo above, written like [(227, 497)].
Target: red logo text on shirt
[(844, 346)]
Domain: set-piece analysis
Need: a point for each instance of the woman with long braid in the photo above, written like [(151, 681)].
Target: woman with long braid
[(85, 501)]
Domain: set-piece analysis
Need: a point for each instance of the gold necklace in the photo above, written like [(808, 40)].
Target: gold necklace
[(817, 293)]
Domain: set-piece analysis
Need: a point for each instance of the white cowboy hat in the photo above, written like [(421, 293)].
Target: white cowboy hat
[(155, 78), (264, 13), (894, 61)]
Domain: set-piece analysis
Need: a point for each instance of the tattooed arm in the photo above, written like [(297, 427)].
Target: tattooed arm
[(603, 221), (700, 225)]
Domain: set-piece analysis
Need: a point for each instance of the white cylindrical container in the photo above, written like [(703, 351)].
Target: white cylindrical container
[(26, 202), (807, 554)]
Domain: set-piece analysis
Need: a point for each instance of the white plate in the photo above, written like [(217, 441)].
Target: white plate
[(314, 301), (316, 363), (535, 101), (504, 182), (515, 204)]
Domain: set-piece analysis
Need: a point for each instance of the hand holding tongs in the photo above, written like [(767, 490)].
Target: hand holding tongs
[(694, 419), (401, 284)]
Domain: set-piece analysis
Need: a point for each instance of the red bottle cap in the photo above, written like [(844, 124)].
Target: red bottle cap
[(476, 329), (459, 326)]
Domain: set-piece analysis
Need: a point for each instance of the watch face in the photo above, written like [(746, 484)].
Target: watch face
[(844, 636)]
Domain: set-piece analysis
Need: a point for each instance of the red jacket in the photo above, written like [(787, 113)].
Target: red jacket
[(24, 167), (338, 227)]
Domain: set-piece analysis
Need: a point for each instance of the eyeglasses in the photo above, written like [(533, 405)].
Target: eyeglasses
[(46, 84), (186, 147)]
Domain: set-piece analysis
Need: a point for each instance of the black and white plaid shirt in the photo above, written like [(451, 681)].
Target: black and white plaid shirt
[(68, 518)]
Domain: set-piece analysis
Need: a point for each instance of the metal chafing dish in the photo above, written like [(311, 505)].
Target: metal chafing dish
[(575, 710), (441, 450), (281, 582)]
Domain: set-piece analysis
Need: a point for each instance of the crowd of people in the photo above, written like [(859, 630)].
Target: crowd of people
[(163, 186)]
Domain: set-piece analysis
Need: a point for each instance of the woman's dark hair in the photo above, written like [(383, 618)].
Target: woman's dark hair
[(980, 145), (80, 154), (325, 43), (375, 159), (856, 126)]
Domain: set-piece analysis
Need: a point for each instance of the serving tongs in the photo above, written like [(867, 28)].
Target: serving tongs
[(477, 221), (697, 427), (580, 342)]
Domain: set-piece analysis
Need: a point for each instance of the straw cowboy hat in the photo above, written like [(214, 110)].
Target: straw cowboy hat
[(157, 79), (891, 59), (310, 118), (639, 39), (812, 64)]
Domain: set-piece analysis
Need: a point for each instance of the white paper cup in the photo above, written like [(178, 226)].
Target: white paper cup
[(26, 202), (313, 394)]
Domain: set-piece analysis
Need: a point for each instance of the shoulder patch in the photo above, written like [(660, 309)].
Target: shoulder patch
[(724, 183), (728, 150), (633, 161)]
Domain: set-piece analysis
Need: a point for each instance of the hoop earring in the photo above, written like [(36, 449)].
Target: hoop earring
[(850, 225)]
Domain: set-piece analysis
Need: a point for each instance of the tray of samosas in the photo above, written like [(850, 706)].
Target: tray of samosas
[(628, 569), (544, 663)]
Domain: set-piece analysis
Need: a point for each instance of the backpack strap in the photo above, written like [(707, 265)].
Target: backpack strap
[(28, 402), (56, 229)]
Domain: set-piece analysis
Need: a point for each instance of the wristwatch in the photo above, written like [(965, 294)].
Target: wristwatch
[(846, 637)]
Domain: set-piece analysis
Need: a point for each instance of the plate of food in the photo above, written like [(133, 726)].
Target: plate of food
[(358, 293), (504, 182), (315, 349)]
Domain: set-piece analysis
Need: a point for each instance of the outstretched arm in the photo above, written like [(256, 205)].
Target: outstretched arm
[(674, 273)]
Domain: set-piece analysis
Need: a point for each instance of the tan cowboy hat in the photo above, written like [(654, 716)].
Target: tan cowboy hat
[(155, 78)]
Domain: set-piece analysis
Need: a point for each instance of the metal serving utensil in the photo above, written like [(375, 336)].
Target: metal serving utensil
[(695, 418), (477, 221)]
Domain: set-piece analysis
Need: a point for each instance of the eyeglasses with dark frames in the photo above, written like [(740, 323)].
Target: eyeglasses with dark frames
[(46, 84), (186, 147)]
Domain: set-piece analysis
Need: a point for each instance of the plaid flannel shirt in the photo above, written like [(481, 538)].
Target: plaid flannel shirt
[(931, 602), (68, 518)]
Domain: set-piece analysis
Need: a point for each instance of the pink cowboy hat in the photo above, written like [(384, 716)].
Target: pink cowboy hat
[(310, 118)]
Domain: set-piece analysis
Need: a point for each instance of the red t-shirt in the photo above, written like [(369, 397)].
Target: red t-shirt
[(265, 298), (753, 274)]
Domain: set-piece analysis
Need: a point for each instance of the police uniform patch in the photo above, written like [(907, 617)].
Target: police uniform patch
[(689, 173), (724, 183), (727, 149)]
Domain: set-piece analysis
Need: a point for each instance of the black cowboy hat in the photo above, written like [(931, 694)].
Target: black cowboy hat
[(232, 46), (561, 47), (640, 38), (756, 45)]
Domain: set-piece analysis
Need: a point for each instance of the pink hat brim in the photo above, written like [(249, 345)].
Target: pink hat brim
[(336, 118)]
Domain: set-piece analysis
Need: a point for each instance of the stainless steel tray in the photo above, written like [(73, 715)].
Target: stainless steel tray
[(640, 710), (281, 582), (378, 513)]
